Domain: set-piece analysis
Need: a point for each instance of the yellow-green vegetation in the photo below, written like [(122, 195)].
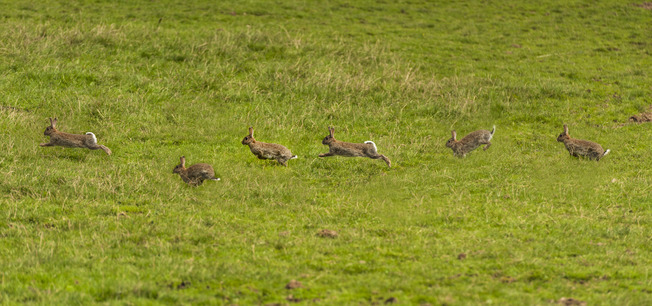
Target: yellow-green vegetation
[(520, 223)]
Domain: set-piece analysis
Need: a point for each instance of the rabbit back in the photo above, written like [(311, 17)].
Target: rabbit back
[(350, 149), (71, 140), (264, 150), (476, 138), (200, 172), (579, 147), (470, 142)]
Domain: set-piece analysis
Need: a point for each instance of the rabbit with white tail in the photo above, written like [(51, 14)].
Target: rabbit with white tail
[(578, 147), (195, 174), (348, 149), (62, 139), (264, 150), (470, 142)]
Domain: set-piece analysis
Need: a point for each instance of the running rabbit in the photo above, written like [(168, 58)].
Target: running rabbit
[(62, 139), (470, 142), (366, 149), (578, 147), (195, 174), (264, 150)]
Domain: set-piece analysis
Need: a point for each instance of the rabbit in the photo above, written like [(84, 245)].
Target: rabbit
[(195, 174), (88, 141), (264, 150), (366, 149), (470, 142), (578, 147)]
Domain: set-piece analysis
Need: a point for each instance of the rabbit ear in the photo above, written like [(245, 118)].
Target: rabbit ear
[(331, 131), (251, 131), (54, 123), (565, 129), (183, 161), (454, 134), (51, 123)]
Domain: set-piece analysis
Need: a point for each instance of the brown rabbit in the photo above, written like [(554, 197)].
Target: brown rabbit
[(470, 142), (366, 149), (267, 150), (57, 138), (195, 174), (578, 147)]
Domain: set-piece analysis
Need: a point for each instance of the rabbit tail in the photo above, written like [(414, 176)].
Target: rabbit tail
[(92, 135), (294, 157), (373, 144), (491, 134), (605, 153)]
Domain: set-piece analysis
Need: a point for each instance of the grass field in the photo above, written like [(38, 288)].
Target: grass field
[(520, 223)]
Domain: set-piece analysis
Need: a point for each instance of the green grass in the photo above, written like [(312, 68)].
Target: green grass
[(157, 80)]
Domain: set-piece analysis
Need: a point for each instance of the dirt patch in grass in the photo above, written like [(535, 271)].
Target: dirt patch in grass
[(391, 300), (13, 108), (326, 233), (645, 5), (570, 302), (182, 285), (643, 117), (293, 284)]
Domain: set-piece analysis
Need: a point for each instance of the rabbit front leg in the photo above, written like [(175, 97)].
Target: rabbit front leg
[(48, 144), (327, 154), (488, 144)]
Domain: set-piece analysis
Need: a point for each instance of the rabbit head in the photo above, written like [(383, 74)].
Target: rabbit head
[(52, 128), (249, 138), (453, 139), (180, 168), (564, 135), (330, 138)]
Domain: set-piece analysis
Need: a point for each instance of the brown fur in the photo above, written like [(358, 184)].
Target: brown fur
[(70, 140), (470, 142), (195, 174), (578, 147), (349, 149), (264, 150)]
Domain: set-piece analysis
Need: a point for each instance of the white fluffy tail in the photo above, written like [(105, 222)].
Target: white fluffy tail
[(491, 134), (93, 135), (372, 143), (294, 157), (606, 152), (215, 179)]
